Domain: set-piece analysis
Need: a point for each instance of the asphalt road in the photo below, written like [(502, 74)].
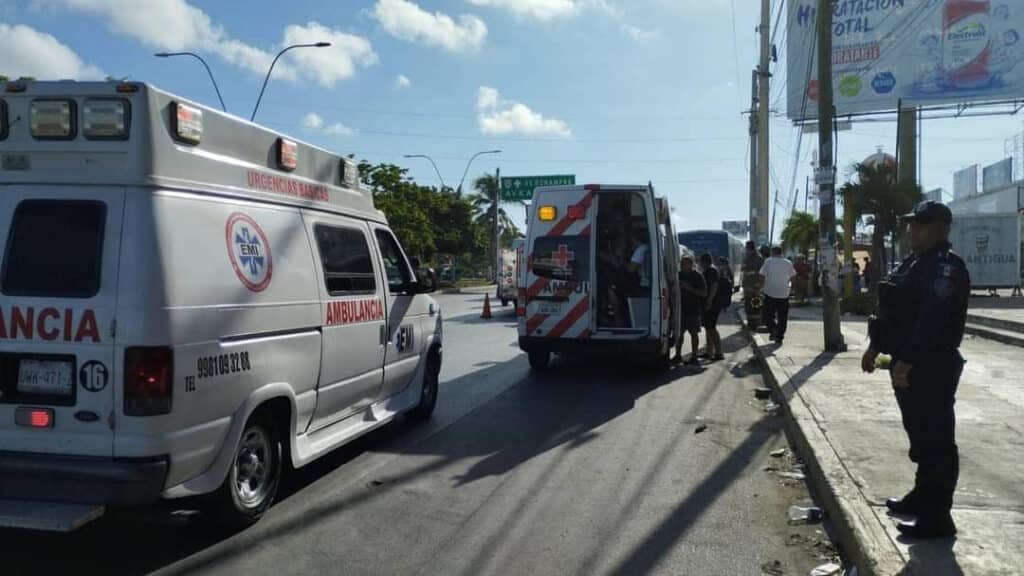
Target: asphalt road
[(591, 468)]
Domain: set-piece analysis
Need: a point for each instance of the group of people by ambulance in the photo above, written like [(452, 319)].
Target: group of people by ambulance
[(704, 293)]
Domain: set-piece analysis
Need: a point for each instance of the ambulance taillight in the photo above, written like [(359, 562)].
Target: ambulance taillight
[(148, 381)]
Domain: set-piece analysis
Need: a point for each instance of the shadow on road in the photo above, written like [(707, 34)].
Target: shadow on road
[(563, 408)]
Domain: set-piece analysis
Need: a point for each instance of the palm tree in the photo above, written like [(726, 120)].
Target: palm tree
[(483, 201), (877, 195), (800, 232)]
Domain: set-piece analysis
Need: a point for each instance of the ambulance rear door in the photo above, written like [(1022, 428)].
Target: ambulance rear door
[(58, 296), (560, 267)]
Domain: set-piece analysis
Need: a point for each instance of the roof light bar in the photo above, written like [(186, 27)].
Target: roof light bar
[(106, 118), (52, 119)]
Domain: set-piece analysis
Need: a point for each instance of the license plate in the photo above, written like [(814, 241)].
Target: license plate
[(549, 309), (45, 377)]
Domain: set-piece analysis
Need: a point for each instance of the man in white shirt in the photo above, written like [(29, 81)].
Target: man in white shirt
[(777, 273), (638, 264)]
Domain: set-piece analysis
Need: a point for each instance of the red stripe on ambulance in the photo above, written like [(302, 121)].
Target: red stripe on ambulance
[(354, 312), (570, 319), (567, 221), (535, 322), (49, 324)]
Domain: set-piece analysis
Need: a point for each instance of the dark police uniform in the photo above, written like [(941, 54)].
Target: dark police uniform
[(922, 311)]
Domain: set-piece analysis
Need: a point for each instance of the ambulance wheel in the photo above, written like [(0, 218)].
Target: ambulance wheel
[(539, 360), (254, 476), (428, 390)]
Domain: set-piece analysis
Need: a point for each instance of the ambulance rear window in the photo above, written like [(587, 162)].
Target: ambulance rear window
[(562, 258), (54, 249)]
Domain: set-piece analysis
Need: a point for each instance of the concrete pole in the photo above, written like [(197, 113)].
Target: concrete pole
[(497, 227), (755, 213), (763, 118), (826, 183)]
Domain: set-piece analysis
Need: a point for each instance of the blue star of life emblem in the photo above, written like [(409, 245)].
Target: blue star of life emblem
[(250, 252)]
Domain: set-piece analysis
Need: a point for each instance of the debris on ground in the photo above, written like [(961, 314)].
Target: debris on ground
[(792, 475), (763, 393), (805, 515), (795, 539), (774, 568), (376, 483), (829, 569), (700, 428), (777, 453), (772, 407)]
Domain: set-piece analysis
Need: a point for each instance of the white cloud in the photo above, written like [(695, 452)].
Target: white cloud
[(336, 62), (315, 123), (496, 117), (487, 98), (28, 52), (537, 9), (640, 34), (402, 81), (407, 21), (545, 10), (176, 25)]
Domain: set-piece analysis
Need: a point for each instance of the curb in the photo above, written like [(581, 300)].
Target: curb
[(988, 332), (858, 528)]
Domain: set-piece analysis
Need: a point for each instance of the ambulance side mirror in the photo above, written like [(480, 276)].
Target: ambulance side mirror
[(426, 279)]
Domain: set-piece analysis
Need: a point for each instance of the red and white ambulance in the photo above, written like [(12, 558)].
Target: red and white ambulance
[(601, 274)]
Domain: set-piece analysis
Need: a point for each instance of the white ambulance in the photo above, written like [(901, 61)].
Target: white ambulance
[(601, 274), (507, 291), (188, 302)]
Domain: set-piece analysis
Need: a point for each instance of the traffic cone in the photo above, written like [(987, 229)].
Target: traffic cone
[(487, 307)]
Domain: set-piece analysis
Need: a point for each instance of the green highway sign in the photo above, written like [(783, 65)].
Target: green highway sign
[(519, 188)]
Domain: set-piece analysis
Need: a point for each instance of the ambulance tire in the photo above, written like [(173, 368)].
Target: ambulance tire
[(428, 390), (539, 360), (254, 476)]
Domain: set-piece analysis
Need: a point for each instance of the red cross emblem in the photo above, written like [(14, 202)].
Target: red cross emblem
[(563, 256)]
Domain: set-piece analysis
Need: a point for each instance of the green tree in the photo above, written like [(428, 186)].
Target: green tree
[(800, 232), (876, 195), (487, 187), (427, 221)]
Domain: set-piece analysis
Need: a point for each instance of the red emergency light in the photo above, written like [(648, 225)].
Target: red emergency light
[(287, 154)]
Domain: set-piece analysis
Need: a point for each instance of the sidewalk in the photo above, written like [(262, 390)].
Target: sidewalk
[(847, 426)]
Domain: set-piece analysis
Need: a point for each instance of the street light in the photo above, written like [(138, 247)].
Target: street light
[(279, 54), (461, 182), (205, 65), (439, 177)]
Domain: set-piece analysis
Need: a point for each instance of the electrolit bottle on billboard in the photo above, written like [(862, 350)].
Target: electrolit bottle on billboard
[(966, 43)]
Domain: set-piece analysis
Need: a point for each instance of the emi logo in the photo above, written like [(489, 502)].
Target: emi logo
[(94, 376), (249, 251), (404, 340)]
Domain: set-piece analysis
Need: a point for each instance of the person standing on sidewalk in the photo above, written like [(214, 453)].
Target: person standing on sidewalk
[(777, 273), (922, 312), (713, 345), (691, 306)]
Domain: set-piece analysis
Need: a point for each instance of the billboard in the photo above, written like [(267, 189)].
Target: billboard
[(924, 52), (935, 195), (965, 182), (997, 176), (991, 247)]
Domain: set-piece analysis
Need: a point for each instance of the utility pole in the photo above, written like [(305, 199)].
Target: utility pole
[(763, 117), (497, 228), (825, 177), (755, 216)]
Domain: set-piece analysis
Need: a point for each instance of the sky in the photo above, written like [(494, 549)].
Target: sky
[(608, 90)]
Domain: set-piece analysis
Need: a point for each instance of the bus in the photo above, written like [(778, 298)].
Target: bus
[(720, 244)]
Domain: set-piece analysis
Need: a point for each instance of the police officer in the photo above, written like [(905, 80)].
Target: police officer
[(922, 311)]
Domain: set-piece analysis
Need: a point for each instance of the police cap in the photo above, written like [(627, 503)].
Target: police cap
[(928, 212)]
